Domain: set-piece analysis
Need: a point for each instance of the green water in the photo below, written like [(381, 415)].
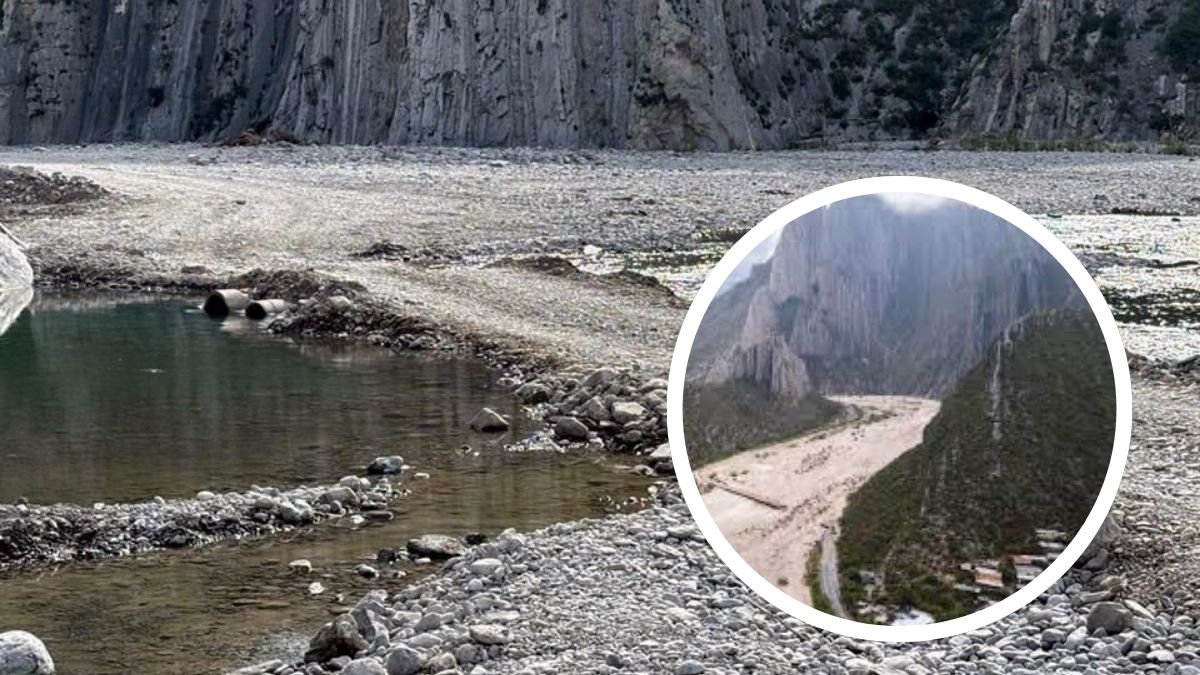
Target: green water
[(120, 399)]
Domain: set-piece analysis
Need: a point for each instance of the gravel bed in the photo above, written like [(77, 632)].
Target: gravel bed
[(643, 593), (42, 535)]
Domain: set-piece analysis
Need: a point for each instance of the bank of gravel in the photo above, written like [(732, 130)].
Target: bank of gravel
[(32, 535), (643, 592)]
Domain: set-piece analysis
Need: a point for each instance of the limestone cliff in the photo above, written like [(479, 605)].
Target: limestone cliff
[(683, 74), (865, 297)]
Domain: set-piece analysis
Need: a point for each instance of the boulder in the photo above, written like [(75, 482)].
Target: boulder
[(22, 653), (339, 637), (490, 634), (436, 547), (533, 393), (489, 420), (364, 667), (600, 376), (391, 464), (1111, 616), (571, 429), (403, 661), (624, 412), (12, 303), (15, 271)]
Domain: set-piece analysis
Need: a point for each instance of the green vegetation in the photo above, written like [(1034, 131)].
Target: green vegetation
[(965, 493), (720, 420), (1181, 44)]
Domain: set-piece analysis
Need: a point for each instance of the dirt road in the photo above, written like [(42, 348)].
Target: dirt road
[(810, 477)]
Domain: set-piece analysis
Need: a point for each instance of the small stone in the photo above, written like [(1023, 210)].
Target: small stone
[(533, 393), (600, 376), (488, 420), (316, 588), (390, 465), (624, 412), (300, 566), (436, 547), (1161, 656), (490, 634), (366, 666), (689, 667), (366, 571), (1110, 616), (403, 661), (485, 567), (571, 429)]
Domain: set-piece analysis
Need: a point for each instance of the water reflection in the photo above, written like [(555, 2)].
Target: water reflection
[(104, 400)]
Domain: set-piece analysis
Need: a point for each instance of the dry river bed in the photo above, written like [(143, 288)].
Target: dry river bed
[(777, 503), (418, 229)]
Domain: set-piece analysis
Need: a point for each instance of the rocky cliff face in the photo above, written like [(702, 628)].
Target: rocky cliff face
[(15, 272), (1114, 69), (864, 297), (685, 74)]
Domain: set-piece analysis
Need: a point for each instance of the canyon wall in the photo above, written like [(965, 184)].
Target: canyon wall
[(870, 296), (680, 74)]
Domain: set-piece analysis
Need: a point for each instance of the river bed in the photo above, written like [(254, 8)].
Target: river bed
[(116, 399)]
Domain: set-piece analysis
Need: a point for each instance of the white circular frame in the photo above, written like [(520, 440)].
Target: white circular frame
[(777, 221)]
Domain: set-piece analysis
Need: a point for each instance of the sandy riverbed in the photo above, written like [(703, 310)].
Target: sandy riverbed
[(802, 484)]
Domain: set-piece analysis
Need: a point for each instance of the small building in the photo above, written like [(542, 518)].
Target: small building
[(1026, 573), (989, 578), (1051, 535)]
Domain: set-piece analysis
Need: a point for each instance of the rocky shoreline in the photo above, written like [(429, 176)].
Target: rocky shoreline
[(33, 536), (643, 592)]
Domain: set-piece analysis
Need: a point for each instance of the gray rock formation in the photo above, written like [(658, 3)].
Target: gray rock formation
[(681, 74), (864, 297), (12, 303), (22, 653), (15, 271)]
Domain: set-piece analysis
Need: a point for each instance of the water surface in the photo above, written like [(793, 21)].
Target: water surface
[(108, 398)]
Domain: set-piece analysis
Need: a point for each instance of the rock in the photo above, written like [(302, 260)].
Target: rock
[(204, 496), (594, 409), (485, 567), (392, 464), (490, 634), (689, 667), (489, 420), (1161, 656), (571, 429), (661, 454), (436, 547), (1110, 616), (292, 515), (533, 393), (403, 661), (624, 412), (15, 272), (386, 556), (23, 653), (316, 588), (339, 637), (341, 494), (364, 667), (300, 566), (597, 377), (366, 571)]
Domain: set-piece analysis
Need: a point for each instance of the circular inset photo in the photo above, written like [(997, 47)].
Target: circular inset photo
[(899, 409)]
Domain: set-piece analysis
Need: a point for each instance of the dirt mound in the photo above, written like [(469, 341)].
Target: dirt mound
[(23, 186)]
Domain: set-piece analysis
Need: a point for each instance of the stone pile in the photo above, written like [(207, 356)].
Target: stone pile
[(34, 535)]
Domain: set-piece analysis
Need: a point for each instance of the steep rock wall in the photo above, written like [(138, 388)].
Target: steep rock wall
[(682, 74), (868, 299)]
